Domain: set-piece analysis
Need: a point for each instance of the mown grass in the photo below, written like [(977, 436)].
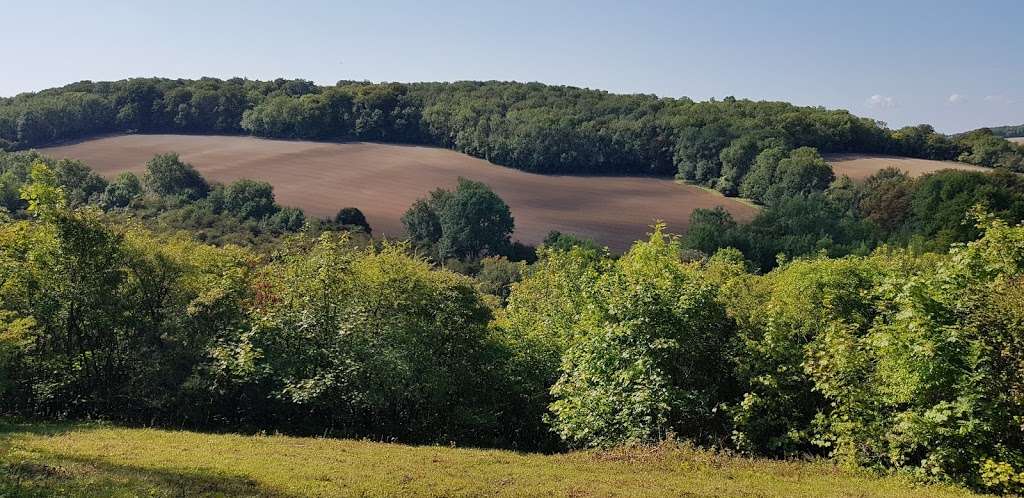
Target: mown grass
[(97, 460)]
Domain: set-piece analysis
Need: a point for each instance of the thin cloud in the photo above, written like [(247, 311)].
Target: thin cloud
[(880, 102), (956, 98), (999, 99)]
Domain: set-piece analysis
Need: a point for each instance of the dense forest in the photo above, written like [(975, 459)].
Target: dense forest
[(1008, 131), (892, 359), (531, 126)]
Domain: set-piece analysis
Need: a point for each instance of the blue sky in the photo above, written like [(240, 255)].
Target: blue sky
[(958, 65)]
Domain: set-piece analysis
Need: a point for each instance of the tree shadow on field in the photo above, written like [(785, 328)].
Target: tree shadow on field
[(10, 428), (53, 474)]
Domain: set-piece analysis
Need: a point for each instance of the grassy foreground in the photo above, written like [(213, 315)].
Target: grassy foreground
[(95, 460)]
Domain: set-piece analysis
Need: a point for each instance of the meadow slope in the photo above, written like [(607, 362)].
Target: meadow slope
[(92, 460), (861, 166), (383, 180)]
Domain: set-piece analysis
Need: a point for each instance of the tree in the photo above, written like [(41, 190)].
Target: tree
[(885, 198), (498, 274), (469, 222), (371, 341), (712, 229), (762, 174), (167, 175), (353, 217), (737, 159), (250, 199), (120, 192), (422, 223), (650, 358), (474, 222), (802, 172)]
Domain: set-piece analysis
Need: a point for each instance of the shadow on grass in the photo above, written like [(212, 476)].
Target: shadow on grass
[(60, 475), (13, 427), (55, 474)]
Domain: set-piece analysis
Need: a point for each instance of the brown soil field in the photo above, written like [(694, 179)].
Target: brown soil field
[(861, 166), (1019, 140), (383, 180)]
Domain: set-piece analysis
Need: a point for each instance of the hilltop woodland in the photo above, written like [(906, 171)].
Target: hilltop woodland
[(534, 127), (1008, 131), (878, 324)]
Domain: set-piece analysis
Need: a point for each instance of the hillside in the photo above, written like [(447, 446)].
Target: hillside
[(90, 460), (1019, 140), (530, 126), (861, 166), (383, 180), (1008, 131)]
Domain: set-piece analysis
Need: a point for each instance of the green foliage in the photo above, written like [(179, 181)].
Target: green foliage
[(783, 318), (535, 127), (778, 175), (648, 356), (941, 202), (370, 342), (984, 148), (467, 223), (498, 274), (564, 241), (1008, 131), (352, 217), (122, 191), (249, 199), (885, 198), (167, 175), (108, 318), (796, 226), (44, 195)]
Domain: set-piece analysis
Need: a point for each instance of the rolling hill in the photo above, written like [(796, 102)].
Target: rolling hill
[(861, 166), (383, 180)]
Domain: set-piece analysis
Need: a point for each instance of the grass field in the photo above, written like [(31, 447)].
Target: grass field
[(861, 166), (382, 180), (94, 460)]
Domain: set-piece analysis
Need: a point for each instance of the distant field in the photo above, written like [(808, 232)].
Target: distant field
[(1019, 140), (383, 180), (89, 460), (861, 166)]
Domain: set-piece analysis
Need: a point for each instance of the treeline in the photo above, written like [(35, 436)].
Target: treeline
[(840, 217), (1008, 131), (895, 360), (535, 127), (173, 196)]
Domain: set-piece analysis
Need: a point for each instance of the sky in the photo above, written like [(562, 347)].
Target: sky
[(957, 65)]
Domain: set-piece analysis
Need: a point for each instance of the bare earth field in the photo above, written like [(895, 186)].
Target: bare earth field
[(382, 180), (1019, 140), (861, 166)]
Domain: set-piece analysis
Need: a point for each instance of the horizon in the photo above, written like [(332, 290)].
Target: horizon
[(941, 63)]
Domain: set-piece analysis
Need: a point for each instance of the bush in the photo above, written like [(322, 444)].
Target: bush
[(650, 358), (119, 193)]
